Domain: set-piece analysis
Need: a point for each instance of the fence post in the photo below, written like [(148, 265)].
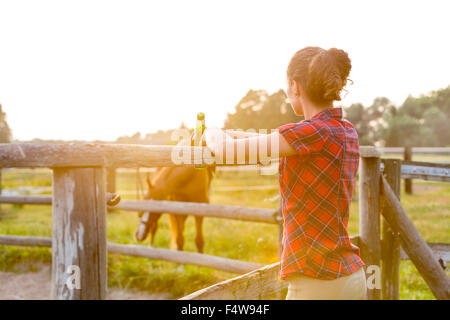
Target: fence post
[(407, 156), (111, 180), (369, 216), (111, 183), (79, 247), (414, 245), (390, 251)]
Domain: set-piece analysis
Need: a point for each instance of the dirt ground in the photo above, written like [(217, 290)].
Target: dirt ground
[(36, 286)]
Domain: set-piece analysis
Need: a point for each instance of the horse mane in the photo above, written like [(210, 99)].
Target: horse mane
[(171, 174)]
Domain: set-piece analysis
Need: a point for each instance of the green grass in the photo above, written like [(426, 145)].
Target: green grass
[(429, 208)]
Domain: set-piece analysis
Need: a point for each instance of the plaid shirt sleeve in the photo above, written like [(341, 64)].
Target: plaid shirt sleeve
[(305, 136)]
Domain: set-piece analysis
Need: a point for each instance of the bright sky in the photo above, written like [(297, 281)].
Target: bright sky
[(91, 70)]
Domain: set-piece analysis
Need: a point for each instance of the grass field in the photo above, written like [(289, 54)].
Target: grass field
[(429, 208)]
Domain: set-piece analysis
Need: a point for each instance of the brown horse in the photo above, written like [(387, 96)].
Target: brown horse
[(186, 184)]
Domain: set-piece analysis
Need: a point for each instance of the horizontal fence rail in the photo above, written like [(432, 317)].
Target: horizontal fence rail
[(182, 257), (425, 171), (428, 171), (416, 150), (201, 209), (441, 250), (39, 200), (260, 284), (175, 207), (96, 155), (223, 189), (72, 155), (43, 200)]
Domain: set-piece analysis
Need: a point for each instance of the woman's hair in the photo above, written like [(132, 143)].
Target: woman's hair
[(321, 73)]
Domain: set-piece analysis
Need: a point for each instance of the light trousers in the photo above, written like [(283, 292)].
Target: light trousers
[(351, 287)]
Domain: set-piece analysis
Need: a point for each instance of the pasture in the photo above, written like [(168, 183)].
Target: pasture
[(428, 207)]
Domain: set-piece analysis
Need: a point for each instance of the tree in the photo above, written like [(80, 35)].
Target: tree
[(246, 111), (356, 114), (134, 139), (416, 107), (401, 130), (368, 121), (421, 121), (5, 131), (438, 122), (259, 110)]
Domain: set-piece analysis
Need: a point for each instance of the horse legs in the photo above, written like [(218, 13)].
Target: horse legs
[(177, 223), (173, 231), (180, 239), (199, 233)]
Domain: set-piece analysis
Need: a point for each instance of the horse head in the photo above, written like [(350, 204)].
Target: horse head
[(149, 220)]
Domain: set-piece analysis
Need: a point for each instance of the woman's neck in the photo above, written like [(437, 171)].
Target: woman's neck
[(310, 109)]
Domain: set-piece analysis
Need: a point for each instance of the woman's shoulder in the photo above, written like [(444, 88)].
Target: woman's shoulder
[(306, 125)]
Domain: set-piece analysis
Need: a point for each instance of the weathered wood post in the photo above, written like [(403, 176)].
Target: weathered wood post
[(390, 250), (407, 156), (111, 180), (415, 246), (111, 183), (79, 247), (369, 214)]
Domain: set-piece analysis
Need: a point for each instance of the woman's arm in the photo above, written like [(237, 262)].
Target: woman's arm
[(239, 134), (254, 149)]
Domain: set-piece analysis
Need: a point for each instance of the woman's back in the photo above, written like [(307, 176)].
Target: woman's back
[(316, 188)]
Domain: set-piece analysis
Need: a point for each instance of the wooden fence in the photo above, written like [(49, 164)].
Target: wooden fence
[(382, 242), (416, 150), (407, 156), (79, 208), (79, 212)]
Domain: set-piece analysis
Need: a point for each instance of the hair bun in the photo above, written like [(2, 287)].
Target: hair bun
[(338, 75), (335, 52), (342, 60), (323, 73)]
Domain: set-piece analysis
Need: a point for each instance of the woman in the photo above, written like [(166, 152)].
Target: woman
[(319, 159)]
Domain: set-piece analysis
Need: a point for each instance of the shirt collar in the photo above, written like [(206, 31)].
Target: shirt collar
[(335, 113)]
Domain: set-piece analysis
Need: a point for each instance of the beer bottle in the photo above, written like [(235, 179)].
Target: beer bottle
[(199, 130)]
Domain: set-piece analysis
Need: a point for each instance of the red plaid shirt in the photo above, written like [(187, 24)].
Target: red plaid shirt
[(316, 187)]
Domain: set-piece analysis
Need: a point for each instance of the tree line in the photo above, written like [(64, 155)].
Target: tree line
[(419, 121), (5, 130)]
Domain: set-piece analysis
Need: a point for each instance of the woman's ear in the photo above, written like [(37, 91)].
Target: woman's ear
[(296, 88)]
